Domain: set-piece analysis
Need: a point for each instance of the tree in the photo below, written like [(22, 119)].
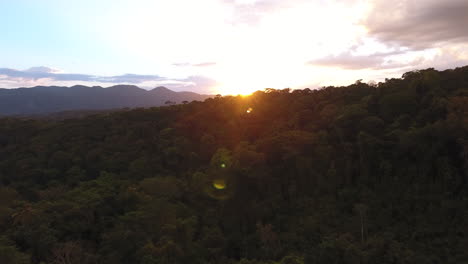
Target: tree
[(10, 254), (269, 240), (70, 253), (361, 210)]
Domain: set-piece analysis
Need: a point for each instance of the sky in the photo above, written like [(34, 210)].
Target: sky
[(226, 46)]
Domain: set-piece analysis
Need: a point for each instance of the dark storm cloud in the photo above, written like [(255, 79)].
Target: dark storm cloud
[(419, 24)]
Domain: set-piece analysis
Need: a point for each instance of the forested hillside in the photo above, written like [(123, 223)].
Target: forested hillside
[(356, 174), (41, 100)]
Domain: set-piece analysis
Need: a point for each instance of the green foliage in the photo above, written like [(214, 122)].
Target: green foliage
[(357, 174), (10, 254)]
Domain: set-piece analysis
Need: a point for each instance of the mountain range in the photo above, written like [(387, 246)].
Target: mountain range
[(49, 99)]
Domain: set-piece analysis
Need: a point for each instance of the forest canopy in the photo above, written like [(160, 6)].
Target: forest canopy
[(356, 174)]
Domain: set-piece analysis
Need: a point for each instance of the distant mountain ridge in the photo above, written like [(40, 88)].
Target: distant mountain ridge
[(49, 99)]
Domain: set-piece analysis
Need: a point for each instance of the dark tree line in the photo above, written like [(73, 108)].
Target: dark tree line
[(356, 174)]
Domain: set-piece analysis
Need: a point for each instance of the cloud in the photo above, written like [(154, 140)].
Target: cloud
[(202, 64), (12, 78), (445, 58), (42, 69), (347, 60), (205, 64), (182, 64), (129, 78), (252, 11), (37, 73), (400, 61), (200, 84), (419, 24), (421, 33)]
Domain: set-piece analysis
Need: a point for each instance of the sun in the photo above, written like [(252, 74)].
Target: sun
[(235, 88)]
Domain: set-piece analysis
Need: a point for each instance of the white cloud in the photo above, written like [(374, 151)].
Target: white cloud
[(44, 76)]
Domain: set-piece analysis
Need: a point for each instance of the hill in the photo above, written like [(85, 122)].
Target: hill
[(355, 174), (49, 99)]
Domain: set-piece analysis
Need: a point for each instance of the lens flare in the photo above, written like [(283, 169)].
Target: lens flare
[(249, 110), (219, 184)]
